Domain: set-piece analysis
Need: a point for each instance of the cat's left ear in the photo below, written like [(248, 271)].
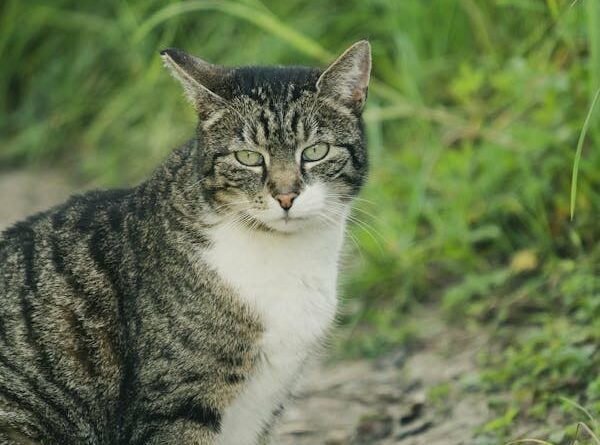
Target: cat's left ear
[(347, 79), (198, 77)]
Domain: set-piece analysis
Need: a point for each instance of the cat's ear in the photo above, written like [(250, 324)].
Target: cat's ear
[(347, 79), (198, 77)]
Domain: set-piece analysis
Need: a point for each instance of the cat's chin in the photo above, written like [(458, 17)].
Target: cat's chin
[(288, 225)]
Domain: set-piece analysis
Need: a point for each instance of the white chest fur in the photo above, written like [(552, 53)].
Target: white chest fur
[(290, 281)]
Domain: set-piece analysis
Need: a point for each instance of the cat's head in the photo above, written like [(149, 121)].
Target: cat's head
[(281, 148)]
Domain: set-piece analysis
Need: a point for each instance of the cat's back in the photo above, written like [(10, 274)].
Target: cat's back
[(59, 244), (60, 346)]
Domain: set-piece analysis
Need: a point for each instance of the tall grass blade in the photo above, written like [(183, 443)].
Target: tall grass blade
[(262, 19), (588, 430), (583, 410), (584, 130)]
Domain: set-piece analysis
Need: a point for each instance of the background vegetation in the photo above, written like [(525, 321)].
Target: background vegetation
[(473, 120)]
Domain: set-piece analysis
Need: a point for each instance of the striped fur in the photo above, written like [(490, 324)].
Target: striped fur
[(121, 322)]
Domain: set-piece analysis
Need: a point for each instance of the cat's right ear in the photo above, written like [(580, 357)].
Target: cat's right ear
[(197, 77), (347, 79)]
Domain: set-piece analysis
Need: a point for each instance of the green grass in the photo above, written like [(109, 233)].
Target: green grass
[(577, 161), (480, 120)]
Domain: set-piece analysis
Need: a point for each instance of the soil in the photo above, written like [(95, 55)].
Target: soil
[(392, 400), (408, 398), (24, 192)]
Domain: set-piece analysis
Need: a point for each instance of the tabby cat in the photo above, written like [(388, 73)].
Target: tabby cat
[(182, 310)]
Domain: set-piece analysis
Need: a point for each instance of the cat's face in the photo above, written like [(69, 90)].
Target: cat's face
[(282, 164), (281, 149)]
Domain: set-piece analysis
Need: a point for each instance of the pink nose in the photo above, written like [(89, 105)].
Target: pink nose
[(286, 201)]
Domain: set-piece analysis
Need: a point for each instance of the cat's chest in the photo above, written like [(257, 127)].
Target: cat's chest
[(289, 281), (290, 284)]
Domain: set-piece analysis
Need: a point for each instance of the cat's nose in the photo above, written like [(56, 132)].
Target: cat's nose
[(286, 200)]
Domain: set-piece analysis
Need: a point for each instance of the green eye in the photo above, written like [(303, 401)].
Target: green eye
[(249, 158), (315, 153)]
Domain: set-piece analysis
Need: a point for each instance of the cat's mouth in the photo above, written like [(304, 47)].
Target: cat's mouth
[(286, 223)]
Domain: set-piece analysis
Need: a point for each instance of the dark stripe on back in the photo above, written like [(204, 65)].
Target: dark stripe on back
[(87, 217), (42, 398), (28, 246), (115, 218), (2, 329), (58, 259)]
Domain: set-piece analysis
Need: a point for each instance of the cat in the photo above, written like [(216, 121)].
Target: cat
[(183, 310)]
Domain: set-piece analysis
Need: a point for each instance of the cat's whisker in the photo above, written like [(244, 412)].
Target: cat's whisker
[(355, 207), (356, 243), (236, 221), (232, 204), (346, 196), (367, 213), (343, 210), (329, 221), (248, 222), (366, 225), (367, 228), (241, 221)]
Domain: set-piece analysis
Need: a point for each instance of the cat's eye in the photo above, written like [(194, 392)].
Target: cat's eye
[(249, 158), (315, 153)]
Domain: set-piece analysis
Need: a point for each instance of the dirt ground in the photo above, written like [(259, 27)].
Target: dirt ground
[(384, 402), (25, 192)]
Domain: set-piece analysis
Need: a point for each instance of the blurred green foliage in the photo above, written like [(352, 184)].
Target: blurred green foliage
[(473, 118)]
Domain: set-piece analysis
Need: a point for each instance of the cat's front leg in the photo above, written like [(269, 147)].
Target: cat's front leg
[(185, 375), (178, 408)]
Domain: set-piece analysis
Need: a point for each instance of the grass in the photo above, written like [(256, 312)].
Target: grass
[(577, 161), (584, 433), (475, 114)]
